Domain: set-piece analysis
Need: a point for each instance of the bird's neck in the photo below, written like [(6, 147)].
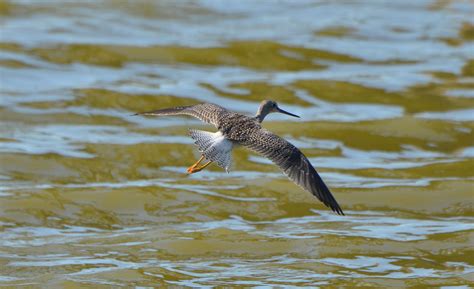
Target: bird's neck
[(260, 116)]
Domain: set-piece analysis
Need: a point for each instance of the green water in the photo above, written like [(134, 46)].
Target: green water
[(93, 197)]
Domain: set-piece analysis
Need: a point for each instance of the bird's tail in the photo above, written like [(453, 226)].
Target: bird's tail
[(203, 139), (214, 146)]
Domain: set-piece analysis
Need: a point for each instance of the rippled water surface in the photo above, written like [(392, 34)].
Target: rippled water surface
[(93, 197)]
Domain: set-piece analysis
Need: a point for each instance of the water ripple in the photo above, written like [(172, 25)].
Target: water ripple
[(355, 224)]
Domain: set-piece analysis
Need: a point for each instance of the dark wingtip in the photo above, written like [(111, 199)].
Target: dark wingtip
[(322, 192), (339, 211), (336, 208), (144, 113), (152, 112), (327, 198)]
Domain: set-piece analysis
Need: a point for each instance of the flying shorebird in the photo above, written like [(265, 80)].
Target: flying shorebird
[(238, 129)]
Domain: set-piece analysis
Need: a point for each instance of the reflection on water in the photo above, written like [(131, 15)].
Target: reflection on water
[(95, 197)]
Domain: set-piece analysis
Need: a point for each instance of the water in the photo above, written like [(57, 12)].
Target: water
[(94, 197)]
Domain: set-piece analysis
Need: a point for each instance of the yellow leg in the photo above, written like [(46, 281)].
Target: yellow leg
[(193, 169)]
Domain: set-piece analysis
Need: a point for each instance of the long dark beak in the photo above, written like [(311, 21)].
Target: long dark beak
[(286, 112)]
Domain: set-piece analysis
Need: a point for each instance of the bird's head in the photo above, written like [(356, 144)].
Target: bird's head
[(269, 106)]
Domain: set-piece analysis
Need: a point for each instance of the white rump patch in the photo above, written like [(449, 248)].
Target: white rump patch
[(214, 146)]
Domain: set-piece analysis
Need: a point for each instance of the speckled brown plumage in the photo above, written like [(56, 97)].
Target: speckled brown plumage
[(247, 131), (207, 112)]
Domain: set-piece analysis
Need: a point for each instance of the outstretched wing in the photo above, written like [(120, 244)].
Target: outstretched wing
[(207, 112), (293, 163)]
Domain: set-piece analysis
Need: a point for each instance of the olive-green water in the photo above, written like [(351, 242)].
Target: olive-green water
[(93, 197)]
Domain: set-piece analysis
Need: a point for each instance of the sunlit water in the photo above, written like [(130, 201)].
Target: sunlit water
[(94, 197)]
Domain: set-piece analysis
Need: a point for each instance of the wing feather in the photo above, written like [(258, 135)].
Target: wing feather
[(207, 112), (293, 163)]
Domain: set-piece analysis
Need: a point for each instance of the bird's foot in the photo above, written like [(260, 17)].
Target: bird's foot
[(194, 169), (190, 170)]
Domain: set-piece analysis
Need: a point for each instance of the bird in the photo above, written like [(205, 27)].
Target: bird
[(235, 129)]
